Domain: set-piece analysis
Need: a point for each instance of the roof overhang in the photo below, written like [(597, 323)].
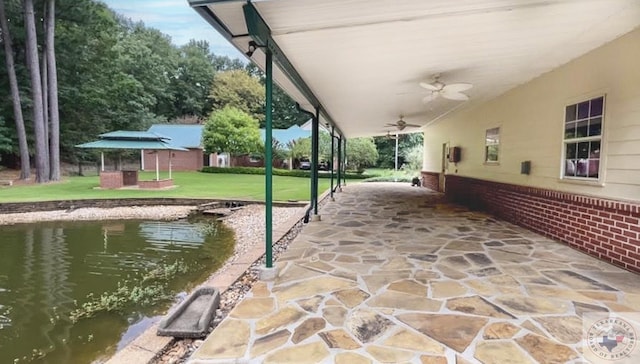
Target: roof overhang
[(124, 144), (360, 62)]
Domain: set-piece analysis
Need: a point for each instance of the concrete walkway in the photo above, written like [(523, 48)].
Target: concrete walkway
[(392, 274)]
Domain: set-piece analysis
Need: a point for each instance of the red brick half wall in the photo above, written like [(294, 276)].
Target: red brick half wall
[(431, 180), (604, 228)]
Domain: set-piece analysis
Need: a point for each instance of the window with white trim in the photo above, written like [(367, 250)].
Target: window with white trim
[(583, 139), (492, 145)]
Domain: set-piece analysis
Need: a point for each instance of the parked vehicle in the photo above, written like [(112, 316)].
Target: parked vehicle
[(305, 164)]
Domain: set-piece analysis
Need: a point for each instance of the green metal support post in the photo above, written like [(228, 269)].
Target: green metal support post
[(268, 160), (315, 122), (344, 161), (333, 141), (339, 161)]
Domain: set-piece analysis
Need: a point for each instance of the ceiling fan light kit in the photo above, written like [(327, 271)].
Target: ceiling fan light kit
[(440, 89)]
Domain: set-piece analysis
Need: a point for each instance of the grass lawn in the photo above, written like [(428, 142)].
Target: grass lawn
[(189, 185), (381, 172)]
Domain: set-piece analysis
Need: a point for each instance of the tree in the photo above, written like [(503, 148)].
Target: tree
[(238, 89), (25, 166), (91, 101), (224, 63), (386, 148), (192, 81), (300, 148), (5, 140), (146, 63), (52, 93), (285, 112), (42, 153), (361, 153), (278, 151), (413, 157), (233, 131)]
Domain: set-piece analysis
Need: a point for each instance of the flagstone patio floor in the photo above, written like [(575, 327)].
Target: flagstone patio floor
[(393, 274)]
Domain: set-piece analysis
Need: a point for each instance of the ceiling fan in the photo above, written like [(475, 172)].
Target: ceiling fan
[(452, 91), (401, 124)]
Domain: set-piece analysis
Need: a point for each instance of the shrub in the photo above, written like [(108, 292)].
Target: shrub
[(278, 172)]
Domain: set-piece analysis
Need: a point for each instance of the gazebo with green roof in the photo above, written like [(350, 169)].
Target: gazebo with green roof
[(131, 140)]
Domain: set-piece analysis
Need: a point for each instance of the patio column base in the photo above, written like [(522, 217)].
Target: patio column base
[(267, 274), (316, 218)]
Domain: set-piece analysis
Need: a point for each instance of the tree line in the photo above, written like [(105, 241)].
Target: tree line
[(75, 69)]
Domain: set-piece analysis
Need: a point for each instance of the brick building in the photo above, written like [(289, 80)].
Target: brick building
[(189, 136)]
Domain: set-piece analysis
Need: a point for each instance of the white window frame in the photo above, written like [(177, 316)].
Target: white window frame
[(492, 142), (586, 167)]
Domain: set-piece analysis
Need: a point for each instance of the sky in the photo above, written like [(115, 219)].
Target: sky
[(176, 19)]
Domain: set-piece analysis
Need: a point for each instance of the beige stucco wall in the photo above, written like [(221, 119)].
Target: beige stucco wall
[(531, 120)]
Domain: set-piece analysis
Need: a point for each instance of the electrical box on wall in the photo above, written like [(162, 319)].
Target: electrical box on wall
[(455, 154), (525, 167)]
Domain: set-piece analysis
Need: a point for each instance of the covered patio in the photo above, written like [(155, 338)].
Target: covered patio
[(393, 274), (388, 273)]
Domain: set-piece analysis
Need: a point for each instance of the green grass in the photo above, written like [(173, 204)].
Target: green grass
[(189, 185), (381, 172)]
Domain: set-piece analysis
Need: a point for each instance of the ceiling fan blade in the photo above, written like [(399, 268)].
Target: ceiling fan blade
[(429, 86), (413, 125), (457, 87), (455, 96), (431, 97)]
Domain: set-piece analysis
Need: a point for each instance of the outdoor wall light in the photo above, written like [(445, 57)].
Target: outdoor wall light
[(252, 48)]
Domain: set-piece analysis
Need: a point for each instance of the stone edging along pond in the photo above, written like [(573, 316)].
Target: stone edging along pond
[(20, 207)]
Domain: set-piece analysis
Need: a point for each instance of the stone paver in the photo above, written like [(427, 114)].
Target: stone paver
[(394, 274)]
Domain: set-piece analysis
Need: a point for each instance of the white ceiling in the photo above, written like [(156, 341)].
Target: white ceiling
[(363, 59)]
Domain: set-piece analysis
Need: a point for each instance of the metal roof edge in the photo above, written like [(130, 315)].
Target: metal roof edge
[(200, 6)]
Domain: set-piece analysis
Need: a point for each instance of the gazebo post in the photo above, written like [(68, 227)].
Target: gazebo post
[(170, 163), (102, 161)]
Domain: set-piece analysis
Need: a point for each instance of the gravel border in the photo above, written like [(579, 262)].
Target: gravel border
[(162, 212)]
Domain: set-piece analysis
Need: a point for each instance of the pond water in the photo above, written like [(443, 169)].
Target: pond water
[(48, 270)]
